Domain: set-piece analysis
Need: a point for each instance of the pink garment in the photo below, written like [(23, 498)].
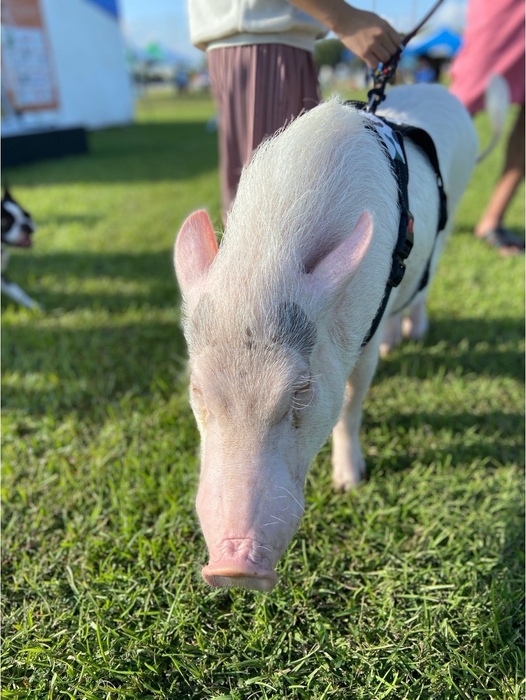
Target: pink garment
[(258, 89), (493, 43)]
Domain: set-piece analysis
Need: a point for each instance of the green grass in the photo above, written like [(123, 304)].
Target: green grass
[(410, 587)]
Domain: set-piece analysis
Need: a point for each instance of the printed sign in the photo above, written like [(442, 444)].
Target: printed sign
[(28, 75)]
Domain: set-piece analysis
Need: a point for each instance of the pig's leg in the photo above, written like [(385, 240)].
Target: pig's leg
[(392, 334), (348, 463), (415, 324)]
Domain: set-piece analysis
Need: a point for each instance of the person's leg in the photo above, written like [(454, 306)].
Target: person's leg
[(258, 89), (512, 175)]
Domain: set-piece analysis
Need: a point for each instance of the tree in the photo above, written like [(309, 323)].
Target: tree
[(328, 52)]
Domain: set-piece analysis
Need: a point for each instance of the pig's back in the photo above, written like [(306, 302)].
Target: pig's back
[(441, 114), (304, 190)]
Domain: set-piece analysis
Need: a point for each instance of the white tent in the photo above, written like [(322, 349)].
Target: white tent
[(63, 66)]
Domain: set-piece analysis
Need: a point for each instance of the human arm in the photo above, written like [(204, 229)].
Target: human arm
[(366, 34)]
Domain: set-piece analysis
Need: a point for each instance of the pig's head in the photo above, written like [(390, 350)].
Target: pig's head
[(267, 386)]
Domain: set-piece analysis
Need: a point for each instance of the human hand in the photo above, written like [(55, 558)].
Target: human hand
[(368, 36)]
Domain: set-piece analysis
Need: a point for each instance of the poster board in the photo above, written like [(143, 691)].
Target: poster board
[(63, 66), (29, 81)]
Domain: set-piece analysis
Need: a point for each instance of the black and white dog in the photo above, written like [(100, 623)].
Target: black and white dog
[(17, 229)]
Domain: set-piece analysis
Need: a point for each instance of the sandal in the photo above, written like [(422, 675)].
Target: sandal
[(505, 240)]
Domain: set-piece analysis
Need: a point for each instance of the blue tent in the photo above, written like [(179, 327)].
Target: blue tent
[(440, 43)]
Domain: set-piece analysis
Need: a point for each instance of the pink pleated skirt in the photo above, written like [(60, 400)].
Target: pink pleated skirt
[(258, 89)]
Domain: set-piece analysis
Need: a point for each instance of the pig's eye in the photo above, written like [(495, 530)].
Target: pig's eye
[(197, 394), (302, 396), (199, 402)]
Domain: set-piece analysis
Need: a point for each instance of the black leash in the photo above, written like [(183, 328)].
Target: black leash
[(384, 72)]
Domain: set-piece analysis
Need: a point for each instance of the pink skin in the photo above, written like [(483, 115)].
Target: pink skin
[(250, 496), (249, 507)]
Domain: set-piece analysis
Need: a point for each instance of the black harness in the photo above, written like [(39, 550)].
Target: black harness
[(383, 74), (404, 242)]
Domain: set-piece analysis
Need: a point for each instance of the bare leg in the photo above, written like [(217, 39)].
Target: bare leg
[(512, 176)]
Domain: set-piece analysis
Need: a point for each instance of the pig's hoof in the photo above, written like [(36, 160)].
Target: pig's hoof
[(414, 330), (415, 324), (385, 349), (347, 477), (392, 334), (345, 486)]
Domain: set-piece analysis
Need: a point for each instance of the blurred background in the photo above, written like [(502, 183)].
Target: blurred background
[(76, 65)]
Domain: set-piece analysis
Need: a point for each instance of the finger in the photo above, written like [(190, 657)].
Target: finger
[(390, 45), (371, 60), (382, 54), (391, 40)]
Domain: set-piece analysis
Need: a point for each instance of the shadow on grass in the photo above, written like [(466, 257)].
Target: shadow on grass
[(466, 345), (84, 371), (100, 358), (75, 281), (147, 152), (493, 437)]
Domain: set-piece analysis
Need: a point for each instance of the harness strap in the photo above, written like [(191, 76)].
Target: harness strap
[(426, 143), (404, 241), (422, 139)]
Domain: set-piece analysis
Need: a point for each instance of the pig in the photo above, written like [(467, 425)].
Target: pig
[(275, 317)]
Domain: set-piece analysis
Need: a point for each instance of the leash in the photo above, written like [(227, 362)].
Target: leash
[(385, 71)]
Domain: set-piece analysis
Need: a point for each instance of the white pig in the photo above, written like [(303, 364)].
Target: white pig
[(275, 318)]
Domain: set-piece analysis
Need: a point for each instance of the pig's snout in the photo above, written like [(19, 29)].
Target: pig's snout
[(240, 563)]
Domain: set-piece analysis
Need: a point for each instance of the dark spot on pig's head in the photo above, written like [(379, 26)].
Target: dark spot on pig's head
[(293, 328), (249, 343)]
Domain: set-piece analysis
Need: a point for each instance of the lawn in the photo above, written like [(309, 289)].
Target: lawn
[(412, 586)]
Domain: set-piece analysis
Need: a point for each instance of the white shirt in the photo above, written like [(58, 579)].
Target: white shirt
[(219, 23)]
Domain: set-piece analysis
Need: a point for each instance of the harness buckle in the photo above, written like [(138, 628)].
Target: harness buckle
[(406, 237), (403, 249), (397, 272), (409, 234)]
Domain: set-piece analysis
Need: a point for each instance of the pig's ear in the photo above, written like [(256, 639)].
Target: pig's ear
[(195, 249), (333, 273)]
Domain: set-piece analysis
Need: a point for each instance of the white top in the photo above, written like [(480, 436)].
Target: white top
[(218, 23)]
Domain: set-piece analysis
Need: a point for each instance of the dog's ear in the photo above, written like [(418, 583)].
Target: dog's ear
[(7, 194)]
